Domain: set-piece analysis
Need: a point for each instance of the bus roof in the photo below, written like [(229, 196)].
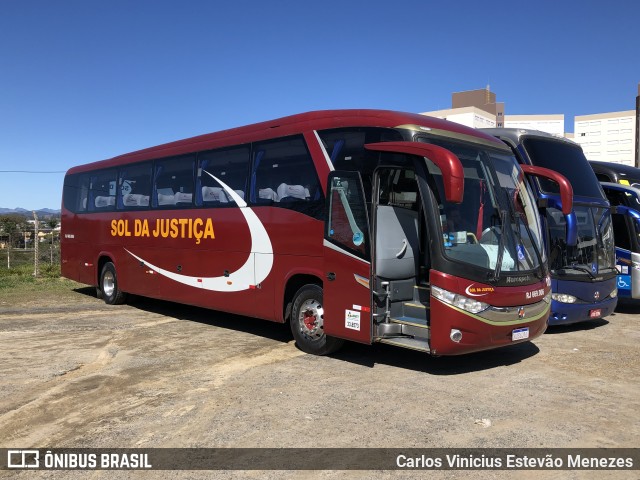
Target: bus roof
[(315, 120), (615, 171), (516, 134)]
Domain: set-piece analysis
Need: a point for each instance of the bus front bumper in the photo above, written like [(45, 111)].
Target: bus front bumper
[(567, 313)]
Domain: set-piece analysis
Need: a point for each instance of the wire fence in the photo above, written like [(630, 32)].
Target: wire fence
[(22, 261)]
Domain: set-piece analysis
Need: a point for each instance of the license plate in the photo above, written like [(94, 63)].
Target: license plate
[(595, 313), (520, 334)]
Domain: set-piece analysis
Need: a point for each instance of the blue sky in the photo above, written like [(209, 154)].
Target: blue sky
[(84, 80)]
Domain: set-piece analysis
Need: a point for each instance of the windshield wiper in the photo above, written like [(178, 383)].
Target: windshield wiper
[(503, 221), (563, 271), (539, 272), (521, 218)]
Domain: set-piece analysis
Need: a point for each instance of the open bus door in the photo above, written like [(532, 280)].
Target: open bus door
[(626, 228), (347, 247)]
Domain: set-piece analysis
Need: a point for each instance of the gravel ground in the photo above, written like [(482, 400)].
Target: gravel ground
[(78, 373)]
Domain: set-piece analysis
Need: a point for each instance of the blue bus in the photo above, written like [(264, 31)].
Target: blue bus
[(583, 269), (625, 203)]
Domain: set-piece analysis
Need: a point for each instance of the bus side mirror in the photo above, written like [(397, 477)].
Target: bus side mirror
[(566, 198), (448, 163), (627, 211)]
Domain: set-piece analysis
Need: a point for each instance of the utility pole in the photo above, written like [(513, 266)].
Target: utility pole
[(638, 128), (35, 245)]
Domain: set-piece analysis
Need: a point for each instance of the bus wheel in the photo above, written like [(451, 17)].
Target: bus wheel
[(111, 294), (307, 322)]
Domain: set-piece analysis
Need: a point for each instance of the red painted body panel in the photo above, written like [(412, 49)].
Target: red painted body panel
[(497, 296), (298, 235), (345, 294), (478, 335)]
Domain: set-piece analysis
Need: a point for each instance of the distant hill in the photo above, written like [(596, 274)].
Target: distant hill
[(42, 213)]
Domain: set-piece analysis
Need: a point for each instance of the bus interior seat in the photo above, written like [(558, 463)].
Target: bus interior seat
[(183, 198), (105, 201), (166, 196), (397, 243), (213, 195), (267, 195), (135, 200), (292, 193)]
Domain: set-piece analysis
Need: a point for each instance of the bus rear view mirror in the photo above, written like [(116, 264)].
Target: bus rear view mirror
[(566, 198), (448, 163)]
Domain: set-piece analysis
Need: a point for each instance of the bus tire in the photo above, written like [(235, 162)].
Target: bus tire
[(307, 322), (111, 294)]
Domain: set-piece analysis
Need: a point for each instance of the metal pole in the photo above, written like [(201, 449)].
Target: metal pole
[(637, 160), (35, 247)]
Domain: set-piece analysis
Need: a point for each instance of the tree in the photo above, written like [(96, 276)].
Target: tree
[(10, 225)]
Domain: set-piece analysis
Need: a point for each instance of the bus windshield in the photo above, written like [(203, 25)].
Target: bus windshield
[(594, 252), (567, 159), (496, 226)]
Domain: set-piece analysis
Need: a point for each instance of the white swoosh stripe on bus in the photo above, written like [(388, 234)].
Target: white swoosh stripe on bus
[(250, 274)]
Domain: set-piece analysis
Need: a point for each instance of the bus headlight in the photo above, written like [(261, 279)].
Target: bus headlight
[(547, 298), (563, 298), (614, 293), (467, 304)]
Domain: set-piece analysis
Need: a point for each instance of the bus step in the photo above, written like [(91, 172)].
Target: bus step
[(415, 327), (415, 309), (420, 344), (421, 293)]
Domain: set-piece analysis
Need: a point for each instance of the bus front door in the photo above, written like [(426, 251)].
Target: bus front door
[(347, 294)]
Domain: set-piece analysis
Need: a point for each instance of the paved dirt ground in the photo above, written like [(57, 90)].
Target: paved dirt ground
[(75, 372)]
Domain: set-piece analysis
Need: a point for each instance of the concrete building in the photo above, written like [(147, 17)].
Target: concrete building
[(469, 116), (608, 137), (553, 124), (479, 109), (483, 99), (612, 137)]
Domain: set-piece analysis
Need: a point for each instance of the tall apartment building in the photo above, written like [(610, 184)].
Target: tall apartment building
[(611, 137), (553, 124), (468, 116), (479, 109), (608, 137), (483, 99)]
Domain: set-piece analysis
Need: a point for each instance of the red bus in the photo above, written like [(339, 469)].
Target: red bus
[(362, 225)]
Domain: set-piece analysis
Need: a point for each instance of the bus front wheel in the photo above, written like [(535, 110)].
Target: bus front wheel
[(111, 294), (307, 322)]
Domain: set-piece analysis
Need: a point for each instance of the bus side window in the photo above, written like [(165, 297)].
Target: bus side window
[(284, 175), (174, 182), (102, 191), (134, 186), (230, 166), (76, 192)]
